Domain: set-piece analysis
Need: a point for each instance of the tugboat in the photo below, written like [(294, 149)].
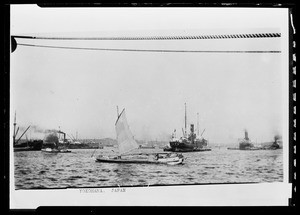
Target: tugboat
[(188, 143), (277, 144), (53, 144), (245, 144)]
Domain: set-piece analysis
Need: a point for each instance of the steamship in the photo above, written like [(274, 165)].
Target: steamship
[(53, 143), (247, 144), (188, 142)]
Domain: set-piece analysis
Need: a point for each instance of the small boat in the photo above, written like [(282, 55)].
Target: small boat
[(55, 150), (64, 151), (50, 150), (127, 145), (159, 158), (146, 147)]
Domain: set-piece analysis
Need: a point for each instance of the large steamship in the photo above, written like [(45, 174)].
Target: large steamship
[(188, 142)]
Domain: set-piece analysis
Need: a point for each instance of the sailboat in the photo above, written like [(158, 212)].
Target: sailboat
[(127, 145)]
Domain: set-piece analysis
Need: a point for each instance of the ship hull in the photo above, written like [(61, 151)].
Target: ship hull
[(187, 146), (254, 148), (21, 149), (189, 150), (175, 149), (49, 150)]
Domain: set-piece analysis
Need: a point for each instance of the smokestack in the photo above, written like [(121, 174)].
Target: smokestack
[(246, 135), (185, 119), (192, 128), (192, 133)]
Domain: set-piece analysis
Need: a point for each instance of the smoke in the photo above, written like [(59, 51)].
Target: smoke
[(276, 134), (51, 138), (37, 129), (277, 137), (51, 131)]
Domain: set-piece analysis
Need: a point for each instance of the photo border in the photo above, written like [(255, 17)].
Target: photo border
[(292, 88)]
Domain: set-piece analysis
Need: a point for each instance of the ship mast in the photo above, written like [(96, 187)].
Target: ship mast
[(23, 134), (16, 132), (198, 124), (185, 119), (14, 135)]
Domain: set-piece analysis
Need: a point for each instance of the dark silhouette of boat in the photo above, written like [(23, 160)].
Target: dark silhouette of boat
[(146, 147), (188, 142), (247, 144), (28, 145)]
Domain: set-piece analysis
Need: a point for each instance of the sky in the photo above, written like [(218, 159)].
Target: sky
[(79, 90)]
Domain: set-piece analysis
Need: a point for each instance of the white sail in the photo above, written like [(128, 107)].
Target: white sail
[(125, 138)]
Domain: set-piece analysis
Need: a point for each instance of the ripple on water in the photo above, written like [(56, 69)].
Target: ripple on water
[(230, 173), (34, 170), (74, 177), (24, 172), (172, 172), (53, 179)]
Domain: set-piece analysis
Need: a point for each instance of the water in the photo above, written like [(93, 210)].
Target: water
[(35, 169)]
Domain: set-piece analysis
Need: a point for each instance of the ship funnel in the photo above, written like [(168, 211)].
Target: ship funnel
[(192, 128), (246, 135), (64, 134)]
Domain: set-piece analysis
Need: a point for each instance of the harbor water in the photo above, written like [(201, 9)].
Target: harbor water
[(78, 169)]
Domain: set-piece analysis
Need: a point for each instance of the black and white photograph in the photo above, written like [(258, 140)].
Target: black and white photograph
[(149, 106)]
